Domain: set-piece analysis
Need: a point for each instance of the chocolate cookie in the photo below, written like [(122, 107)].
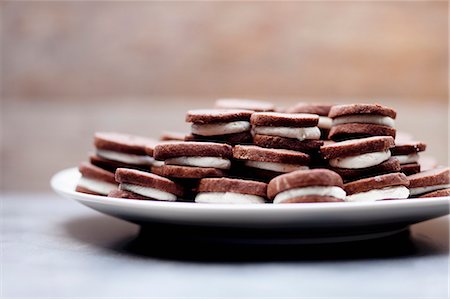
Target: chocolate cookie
[(407, 154), (306, 146), (193, 159), (358, 158), (429, 181), (355, 147), (386, 186), (245, 104), (148, 185), (227, 190), (361, 120), (357, 109), (352, 131), (121, 150), (315, 185), (272, 162), (388, 166), (95, 180), (219, 124), (276, 119), (292, 128), (320, 109)]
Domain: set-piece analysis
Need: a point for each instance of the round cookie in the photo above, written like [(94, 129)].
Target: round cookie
[(256, 153), (168, 150), (376, 182), (388, 166), (319, 109), (276, 119), (354, 147), (429, 181), (208, 116), (406, 148), (245, 104), (220, 125), (353, 130), (187, 172), (227, 190), (263, 164), (123, 143), (306, 186), (115, 150), (306, 146), (148, 185), (361, 120), (95, 180), (352, 109), (94, 172)]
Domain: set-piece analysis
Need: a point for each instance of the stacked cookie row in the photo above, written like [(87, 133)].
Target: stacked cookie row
[(245, 152)]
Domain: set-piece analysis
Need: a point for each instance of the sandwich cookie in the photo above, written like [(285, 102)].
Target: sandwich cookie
[(358, 158), (266, 163), (114, 150), (321, 110), (220, 125), (304, 186), (386, 186), (148, 185), (289, 131), (244, 104), (95, 180), (361, 120), (193, 160), (429, 181), (407, 153), (231, 191)]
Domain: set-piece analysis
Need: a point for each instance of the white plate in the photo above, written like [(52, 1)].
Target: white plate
[(332, 221)]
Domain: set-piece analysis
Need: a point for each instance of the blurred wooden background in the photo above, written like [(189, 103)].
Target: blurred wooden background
[(71, 68)]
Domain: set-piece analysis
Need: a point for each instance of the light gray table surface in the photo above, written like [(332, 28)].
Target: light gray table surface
[(54, 247)]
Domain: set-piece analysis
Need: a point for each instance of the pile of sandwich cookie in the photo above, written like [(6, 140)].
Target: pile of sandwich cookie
[(251, 152)]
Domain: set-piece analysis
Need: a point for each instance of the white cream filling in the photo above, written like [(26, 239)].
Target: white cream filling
[(361, 161), (296, 133), (228, 197), (333, 191), (97, 186), (157, 163), (215, 162), (421, 190), (220, 128), (125, 158), (325, 122), (149, 192), (273, 166), (365, 119), (405, 159), (395, 192)]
